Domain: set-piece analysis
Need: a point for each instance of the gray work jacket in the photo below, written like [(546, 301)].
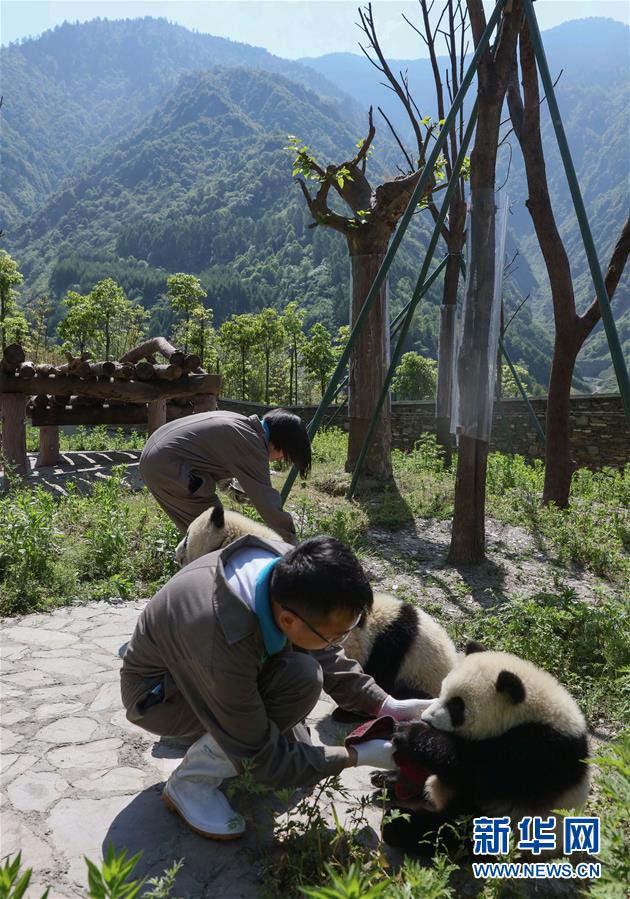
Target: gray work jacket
[(216, 446), (207, 638)]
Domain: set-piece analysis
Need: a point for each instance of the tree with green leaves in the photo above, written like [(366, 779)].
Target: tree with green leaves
[(271, 337), (415, 378), (293, 324), (13, 325), (185, 293), (319, 354), (238, 335), (40, 313), (200, 335), (112, 311), (78, 327)]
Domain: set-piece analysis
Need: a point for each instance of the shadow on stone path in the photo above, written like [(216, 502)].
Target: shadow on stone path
[(75, 774)]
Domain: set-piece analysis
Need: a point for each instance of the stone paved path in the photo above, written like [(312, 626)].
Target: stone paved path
[(81, 468), (75, 774)]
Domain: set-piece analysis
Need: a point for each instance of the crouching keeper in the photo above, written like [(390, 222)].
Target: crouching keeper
[(232, 654)]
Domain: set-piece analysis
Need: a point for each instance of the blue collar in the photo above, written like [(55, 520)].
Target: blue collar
[(266, 429), (273, 637)]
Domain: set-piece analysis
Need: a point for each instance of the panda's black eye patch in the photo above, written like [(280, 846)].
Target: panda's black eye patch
[(457, 710)]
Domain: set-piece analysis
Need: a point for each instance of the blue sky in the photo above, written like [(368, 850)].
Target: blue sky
[(285, 27)]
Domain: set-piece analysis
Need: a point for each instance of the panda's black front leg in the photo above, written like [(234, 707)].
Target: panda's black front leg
[(417, 742)]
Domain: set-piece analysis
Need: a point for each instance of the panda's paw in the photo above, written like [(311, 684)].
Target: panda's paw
[(409, 735)]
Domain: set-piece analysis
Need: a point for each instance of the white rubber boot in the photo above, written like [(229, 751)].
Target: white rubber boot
[(192, 791)]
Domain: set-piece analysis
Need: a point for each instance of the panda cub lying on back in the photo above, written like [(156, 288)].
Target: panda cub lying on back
[(405, 650), (503, 738)]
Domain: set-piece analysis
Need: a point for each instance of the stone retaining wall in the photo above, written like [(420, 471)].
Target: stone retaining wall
[(599, 436)]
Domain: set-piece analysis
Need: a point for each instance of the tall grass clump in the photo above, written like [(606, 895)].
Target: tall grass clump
[(585, 645), (55, 550)]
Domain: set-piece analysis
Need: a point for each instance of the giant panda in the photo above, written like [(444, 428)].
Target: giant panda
[(502, 738), (405, 650), (214, 529)]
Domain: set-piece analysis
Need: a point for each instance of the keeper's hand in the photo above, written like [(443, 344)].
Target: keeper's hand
[(404, 709)]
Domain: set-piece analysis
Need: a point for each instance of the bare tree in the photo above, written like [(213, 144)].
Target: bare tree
[(452, 26), (368, 229), (495, 67), (571, 328)]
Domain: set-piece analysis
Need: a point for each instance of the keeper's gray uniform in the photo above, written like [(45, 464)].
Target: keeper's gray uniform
[(203, 642), (183, 460)]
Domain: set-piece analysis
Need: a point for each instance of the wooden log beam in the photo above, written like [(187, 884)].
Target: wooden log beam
[(168, 372), (13, 417), (150, 347), (127, 414), (12, 356), (48, 446), (26, 370), (45, 370), (132, 391), (145, 371), (102, 369), (40, 401)]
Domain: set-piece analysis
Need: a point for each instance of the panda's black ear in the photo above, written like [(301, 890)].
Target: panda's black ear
[(510, 683), (472, 646), (217, 516)]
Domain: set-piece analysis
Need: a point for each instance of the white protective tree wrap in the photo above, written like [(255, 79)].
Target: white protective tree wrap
[(478, 320)]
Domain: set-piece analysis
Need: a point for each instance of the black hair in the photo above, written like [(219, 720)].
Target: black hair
[(288, 433), (320, 576)]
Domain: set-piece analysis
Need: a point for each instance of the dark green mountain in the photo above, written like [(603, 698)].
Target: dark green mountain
[(69, 94)]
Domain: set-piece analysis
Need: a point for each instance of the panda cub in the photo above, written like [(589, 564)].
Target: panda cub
[(405, 650), (214, 529), (503, 738)]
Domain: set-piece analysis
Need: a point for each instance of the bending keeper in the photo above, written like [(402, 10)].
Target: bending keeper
[(183, 462), (232, 653)]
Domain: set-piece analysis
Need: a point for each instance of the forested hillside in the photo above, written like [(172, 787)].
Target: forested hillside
[(72, 92), (168, 169)]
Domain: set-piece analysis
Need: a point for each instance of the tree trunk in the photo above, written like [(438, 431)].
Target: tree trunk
[(156, 415), (558, 463), (368, 366), (474, 366), (468, 537), (445, 358)]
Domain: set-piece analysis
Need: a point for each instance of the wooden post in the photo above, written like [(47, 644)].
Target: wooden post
[(156, 416), (13, 412), (48, 446)]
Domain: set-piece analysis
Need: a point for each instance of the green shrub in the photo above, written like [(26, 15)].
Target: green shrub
[(425, 456), (330, 445), (29, 546), (614, 810), (586, 646)]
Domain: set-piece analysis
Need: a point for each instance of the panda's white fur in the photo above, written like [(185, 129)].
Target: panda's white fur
[(490, 714), (205, 536), (429, 657)]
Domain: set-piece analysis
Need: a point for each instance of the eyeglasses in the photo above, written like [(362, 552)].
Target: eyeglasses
[(329, 643)]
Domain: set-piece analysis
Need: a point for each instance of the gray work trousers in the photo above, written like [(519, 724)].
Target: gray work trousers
[(172, 491), (289, 683)]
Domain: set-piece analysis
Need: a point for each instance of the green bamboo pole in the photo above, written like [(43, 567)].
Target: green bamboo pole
[(587, 238), (537, 425), (417, 296), (402, 227)]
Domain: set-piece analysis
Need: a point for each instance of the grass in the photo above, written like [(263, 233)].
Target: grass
[(114, 542), (111, 542)]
